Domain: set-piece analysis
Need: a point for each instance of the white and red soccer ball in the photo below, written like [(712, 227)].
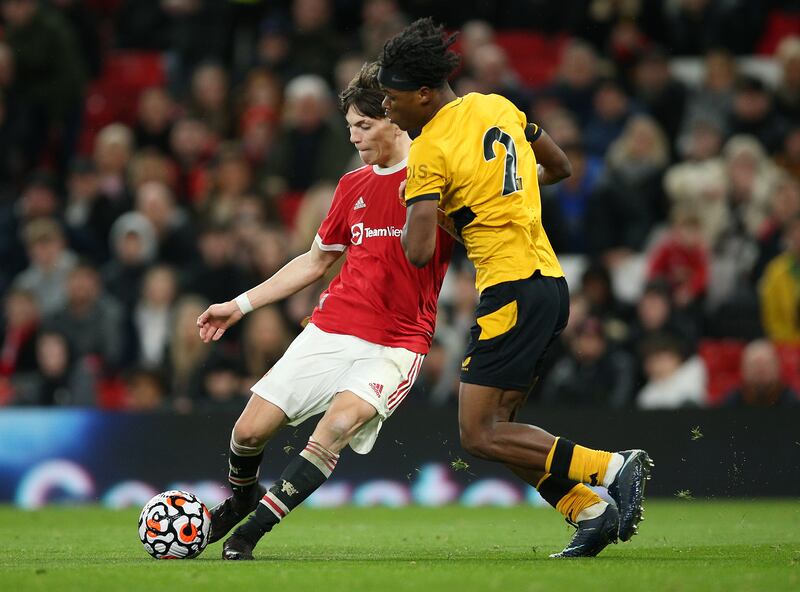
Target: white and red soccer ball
[(174, 525)]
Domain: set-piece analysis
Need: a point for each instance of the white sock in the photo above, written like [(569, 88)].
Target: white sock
[(592, 511), (614, 465)]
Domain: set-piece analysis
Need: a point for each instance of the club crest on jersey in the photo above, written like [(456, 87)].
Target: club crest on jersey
[(377, 388), (360, 204)]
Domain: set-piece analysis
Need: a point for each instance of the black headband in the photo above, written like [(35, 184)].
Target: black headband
[(389, 78)]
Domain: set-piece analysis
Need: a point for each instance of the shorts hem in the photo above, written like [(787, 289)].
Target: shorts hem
[(277, 404), (367, 399), (497, 384)]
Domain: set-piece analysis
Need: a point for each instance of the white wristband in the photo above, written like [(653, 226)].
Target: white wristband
[(243, 302)]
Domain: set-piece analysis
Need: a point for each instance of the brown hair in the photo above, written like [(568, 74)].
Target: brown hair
[(364, 93)]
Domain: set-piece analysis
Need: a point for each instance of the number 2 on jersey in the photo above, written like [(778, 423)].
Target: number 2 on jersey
[(511, 183)]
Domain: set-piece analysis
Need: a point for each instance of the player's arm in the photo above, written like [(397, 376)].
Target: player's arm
[(419, 233), (553, 163), (300, 272)]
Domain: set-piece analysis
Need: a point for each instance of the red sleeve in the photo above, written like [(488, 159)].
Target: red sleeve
[(334, 232), (699, 280), (658, 261)]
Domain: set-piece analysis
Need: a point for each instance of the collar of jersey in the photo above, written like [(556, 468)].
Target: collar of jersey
[(390, 170), (446, 107)]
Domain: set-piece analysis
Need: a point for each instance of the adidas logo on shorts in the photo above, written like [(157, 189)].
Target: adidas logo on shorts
[(378, 388)]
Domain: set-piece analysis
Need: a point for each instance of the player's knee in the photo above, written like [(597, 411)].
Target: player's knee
[(475, 442), (342, 425), (247, 434)]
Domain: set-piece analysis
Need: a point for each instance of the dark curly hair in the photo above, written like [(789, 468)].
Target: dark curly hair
[(421, 52), (364, 93)]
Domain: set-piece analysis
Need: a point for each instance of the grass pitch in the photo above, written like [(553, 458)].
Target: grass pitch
[(684, 545)]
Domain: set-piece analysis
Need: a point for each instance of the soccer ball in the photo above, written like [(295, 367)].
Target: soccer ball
[(174, 525)]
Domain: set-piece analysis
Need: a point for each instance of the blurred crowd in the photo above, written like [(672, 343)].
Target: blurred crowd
[(680, 225)]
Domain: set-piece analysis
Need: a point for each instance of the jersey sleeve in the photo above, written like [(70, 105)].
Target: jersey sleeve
[(334, 232), (426, 173)]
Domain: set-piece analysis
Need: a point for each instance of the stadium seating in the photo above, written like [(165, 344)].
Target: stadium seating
[(115, 94)]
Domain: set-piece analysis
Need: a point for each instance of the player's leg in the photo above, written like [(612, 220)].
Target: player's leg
[(347, 414), (596, 521), (259, 421), (575, 501), (516, 323)]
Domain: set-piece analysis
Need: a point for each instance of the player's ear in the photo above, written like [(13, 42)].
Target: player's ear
[(424, 95)]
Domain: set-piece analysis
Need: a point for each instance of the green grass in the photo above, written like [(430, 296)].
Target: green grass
[(684, 545)]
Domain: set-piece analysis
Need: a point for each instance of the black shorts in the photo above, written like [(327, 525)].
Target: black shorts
[(515, 324)]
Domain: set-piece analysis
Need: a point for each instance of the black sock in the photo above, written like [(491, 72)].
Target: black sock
[(243, 467), (302, 477)]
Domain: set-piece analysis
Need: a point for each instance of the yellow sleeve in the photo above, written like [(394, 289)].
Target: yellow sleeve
[(426, 172)]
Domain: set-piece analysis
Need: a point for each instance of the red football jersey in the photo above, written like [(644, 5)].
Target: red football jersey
[(378, 295)]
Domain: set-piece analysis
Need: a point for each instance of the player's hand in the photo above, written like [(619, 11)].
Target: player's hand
[(401, 193), (216, 319)]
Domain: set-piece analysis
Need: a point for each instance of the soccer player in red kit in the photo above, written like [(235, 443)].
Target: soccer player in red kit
[(359, 355)]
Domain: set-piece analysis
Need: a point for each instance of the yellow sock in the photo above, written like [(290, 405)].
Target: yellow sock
[(585, 465), (568, 497)]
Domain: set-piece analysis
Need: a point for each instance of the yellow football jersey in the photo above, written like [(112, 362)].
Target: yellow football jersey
[(474, 155)]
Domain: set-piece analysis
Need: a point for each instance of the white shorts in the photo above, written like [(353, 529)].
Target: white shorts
[(319, 365)]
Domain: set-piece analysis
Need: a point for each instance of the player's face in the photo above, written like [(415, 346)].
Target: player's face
[(373, 138), (403, 108)]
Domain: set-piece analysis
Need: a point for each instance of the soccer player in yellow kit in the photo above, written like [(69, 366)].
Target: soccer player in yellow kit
[(475, 159)]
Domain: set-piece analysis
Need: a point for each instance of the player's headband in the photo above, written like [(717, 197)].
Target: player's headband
[(391, 78)]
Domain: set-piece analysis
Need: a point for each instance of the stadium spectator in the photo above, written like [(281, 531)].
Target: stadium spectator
[(762, 385), (149, 164), (681, 259), (780, 289), (655, 316), (133, 247), (787, 94), (61, 378), (176, 240), (629, 199), (699, 181), (789, 156), (221, 385), (113, 148), (566, 205), (381, 20), (154, 119), (314, 43), (753, 113), (85, 24), (17, 128), (673, 381), (593, 373), (20, 322), (659, 93), (152, 318), (264, 340), (90, 320), (577, 80), (187, 354), (88, 213), (191, 146), (215, 273), (50, 264), (489, 71), (712, 101), (784, 206), (210, 100), (50, 73), (611, 108), (230, 178), (144, 390), (311, 146)]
